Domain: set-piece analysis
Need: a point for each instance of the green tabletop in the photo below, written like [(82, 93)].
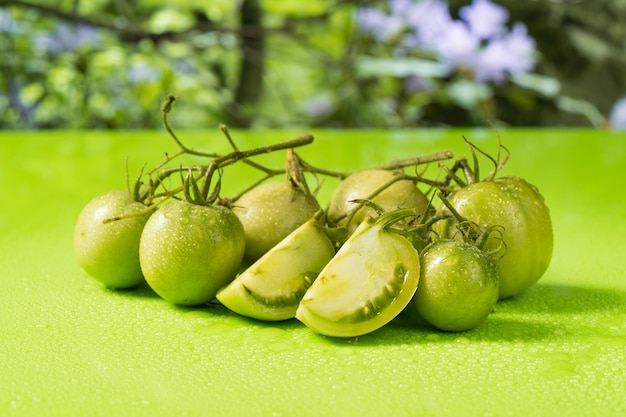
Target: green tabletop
[(70, 347)]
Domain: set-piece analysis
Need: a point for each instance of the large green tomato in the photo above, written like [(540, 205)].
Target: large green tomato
[(361, 185), (270, 212), (458, 285), (520, 209), (188, 252), (109, 252)]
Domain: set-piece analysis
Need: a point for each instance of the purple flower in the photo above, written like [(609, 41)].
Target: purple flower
[(479, 40), (430, 19), (141, 72), (380, 25), (7, 23), (319, 106), (491, 62), (485, 19), (400, 7), (67, 38), (457, 45), (521, 48), (371, 20), (617, 118), (509, 54)]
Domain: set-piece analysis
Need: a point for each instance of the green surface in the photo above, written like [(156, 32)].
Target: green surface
[(73, 348)]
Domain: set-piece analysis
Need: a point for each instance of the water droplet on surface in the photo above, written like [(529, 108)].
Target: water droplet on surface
[(212, 329), (271, 332), (281, 346), (462, 340), (433, 337), (607, 340)]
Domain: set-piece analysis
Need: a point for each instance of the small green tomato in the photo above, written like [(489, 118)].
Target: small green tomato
[(109, 252), (518, 207), (188, 251), (458, 285)]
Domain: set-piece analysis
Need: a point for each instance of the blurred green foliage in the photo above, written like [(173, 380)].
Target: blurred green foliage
[(279, 63)]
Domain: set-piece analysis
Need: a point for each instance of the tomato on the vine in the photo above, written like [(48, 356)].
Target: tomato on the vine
[(519, 208), (458, 285), (361, 185), (109, 250), (188, 251), (271, 211)]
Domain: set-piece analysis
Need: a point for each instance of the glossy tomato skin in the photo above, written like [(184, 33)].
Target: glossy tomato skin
[(270, 212), (361, 185), (458, 286), (516, 205), (109, 252), (188, 252)]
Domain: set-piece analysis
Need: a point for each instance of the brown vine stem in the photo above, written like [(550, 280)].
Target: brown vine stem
[(271, 172), (417, 160), (223, 161), (397, 164)]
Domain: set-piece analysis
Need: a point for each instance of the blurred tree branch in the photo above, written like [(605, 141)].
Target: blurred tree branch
[(131, 31)]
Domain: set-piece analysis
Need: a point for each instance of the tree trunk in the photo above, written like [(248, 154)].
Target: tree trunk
[(251, 66)]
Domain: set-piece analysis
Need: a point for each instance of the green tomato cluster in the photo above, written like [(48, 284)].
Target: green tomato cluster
[(184, 251), (377, 250)]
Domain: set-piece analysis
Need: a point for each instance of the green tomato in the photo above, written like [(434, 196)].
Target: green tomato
[(188, 252), (270, 212), (366, 284), (271, 289), (520, 209), (109, 252), (361, 185), (458, 285)]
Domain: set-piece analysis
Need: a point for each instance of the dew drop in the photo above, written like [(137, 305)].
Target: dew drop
[(281, 347)]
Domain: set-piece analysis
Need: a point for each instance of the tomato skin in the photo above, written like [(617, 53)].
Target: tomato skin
[(458, 285), (516, 205), (270, 212), (187, 252), (361, 184), (109, 252)]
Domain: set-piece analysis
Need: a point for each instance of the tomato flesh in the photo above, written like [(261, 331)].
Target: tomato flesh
[(271, 289), (369, 282)]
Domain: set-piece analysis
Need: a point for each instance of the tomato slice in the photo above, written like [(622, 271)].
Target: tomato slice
[(272, 287), (370, 280)]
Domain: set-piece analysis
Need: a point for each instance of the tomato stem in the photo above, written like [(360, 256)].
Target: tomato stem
[(360, 203), (500, 250), (416, 160), (251, 163), (390, 218)]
